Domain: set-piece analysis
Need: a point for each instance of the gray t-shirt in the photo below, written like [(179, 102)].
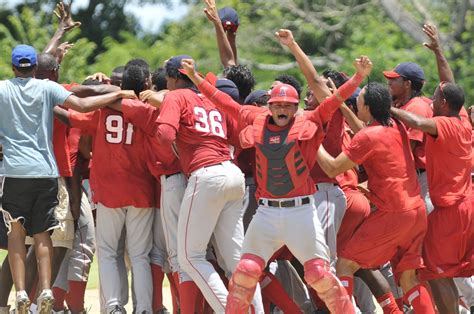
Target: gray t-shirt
[(26, 126)]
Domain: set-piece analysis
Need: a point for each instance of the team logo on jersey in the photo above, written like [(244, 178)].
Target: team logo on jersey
[(274, 140)]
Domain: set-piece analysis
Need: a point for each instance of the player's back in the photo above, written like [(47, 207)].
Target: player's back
[(390, 167), (203, 130)]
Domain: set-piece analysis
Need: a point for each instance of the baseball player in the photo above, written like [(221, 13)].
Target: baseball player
[(124, 197), (285, 196), (448, 160), (215, 186), (396, 229)]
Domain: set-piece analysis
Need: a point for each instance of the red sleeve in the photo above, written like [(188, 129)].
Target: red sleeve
[(419, 108), (68, 87), (444, 128), (359, 149), (171, 110), (87, 122), (326, 109), (222, 101), (141, 115), (166, 134), (249, 113)]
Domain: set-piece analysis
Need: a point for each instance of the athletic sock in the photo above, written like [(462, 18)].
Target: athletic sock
[(59, 297), (75, 297), (348, 283), (174, 290), (420, 300), (157, 279), (388, 304), (188, 294)]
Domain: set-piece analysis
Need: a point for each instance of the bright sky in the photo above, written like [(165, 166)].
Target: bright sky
[(151, 16)]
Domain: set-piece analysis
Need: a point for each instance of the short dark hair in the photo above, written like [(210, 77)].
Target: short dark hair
[(416, 87), (119, 69), (454, 95), (141, 63), (337, 77), (173, 72), (290, 80), (134, 78), (242, 77), (378, 98), (158, 78)]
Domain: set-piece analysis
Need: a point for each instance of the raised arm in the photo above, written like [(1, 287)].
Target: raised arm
[(315, 82), (427, 125), (220, 99), (66, 23), (352, 120), (326, 109), (96, 102), (334, 166), (225, 50), (444, 70)]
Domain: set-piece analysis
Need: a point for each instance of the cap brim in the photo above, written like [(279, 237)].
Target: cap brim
[(391, 74), (284, 99)]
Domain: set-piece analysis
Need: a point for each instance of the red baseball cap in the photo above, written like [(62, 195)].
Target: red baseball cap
[(284, 93)]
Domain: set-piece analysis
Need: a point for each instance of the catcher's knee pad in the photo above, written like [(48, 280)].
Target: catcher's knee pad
[(243, 283), (318, 275)]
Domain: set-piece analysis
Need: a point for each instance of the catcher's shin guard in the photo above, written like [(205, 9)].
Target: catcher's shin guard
[(243, 283), (318, 275)]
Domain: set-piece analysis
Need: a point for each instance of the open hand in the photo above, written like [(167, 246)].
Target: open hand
[(99, 76), (432, 32), (285, 36), (363, 65), (211, 11), (63, 49), (63, 12)]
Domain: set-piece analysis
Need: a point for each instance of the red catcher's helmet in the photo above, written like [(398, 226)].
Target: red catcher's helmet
[(284, 93)]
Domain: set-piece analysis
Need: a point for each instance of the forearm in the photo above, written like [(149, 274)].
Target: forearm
[(222, 101), (412, 120), (231, 39), (315, 82), (75, 191), (53, 44), (444, 70), (225, 50), (92, 103), (354, 123), (93, 90), (326, 162)]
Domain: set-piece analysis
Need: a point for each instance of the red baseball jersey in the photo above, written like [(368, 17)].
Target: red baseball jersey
[(385, 154), (61, 148), (161, 159), (448, 161), (348, 180), (119, 175), (202, 131), (420, 106)]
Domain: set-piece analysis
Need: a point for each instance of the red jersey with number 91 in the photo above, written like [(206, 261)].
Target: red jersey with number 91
[(119, 175), (202, 130)]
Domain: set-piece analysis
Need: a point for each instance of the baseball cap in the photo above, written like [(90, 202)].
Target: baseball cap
[(254, 96), (284, 93), (175, 63), (230, 18), (23, 56), (228, 87), (408, 70)]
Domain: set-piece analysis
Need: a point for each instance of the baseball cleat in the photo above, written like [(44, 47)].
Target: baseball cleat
[(45, 302)]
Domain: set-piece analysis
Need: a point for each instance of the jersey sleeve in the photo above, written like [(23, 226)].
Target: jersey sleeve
[(86, 122), (359, 149), (421, 110), (248, 114), (171, 110), (445, 128), (222, 101), (57, 93), (141, 115)]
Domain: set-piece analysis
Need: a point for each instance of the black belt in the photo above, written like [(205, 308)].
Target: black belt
[(287, 203), (420, 170), (170, 175)]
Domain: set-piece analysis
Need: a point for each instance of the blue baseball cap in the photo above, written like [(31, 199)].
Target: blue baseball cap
[(230, 18), (23, 56), (408, 70), (228, 87), (175, 63), (254, 96)]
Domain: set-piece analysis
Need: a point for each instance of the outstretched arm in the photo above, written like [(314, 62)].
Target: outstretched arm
[(225, 50), (444, 70), (354, 123), (427, 125), (314, 80), (66, 23), (96, 102), (334, 166)]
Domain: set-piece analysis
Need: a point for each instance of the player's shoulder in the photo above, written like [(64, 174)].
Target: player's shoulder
[(420, 105)]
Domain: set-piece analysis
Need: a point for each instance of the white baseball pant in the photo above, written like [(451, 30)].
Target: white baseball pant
[(212, 205), (138, 223), (424, 191), (331, 204), (466, 289), (158, 253)]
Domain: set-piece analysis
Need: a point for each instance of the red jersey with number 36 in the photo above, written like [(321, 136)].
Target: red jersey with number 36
[(119, 175), (202, 130)]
